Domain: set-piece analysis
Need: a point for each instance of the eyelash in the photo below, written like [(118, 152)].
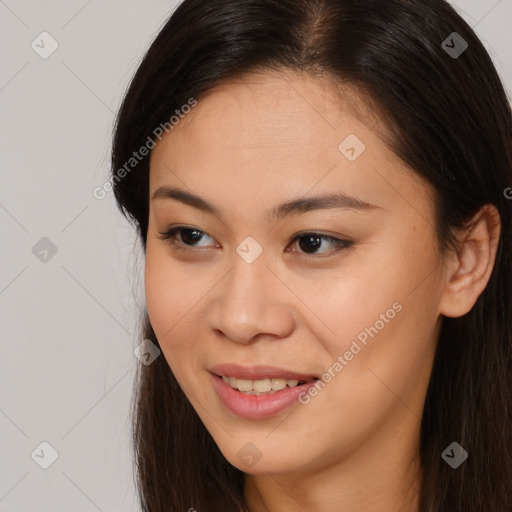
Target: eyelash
[(341, 245)]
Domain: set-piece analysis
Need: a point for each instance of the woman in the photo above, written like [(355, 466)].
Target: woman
[(320, 190)]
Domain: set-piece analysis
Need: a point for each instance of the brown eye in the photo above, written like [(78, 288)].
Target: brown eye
[(182, 235), (309, 243)]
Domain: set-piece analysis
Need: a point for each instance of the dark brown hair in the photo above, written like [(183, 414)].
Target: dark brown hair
[(447, 117)]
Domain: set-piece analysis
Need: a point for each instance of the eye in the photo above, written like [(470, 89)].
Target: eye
[(310, 242), (183, 238), (187, 236)]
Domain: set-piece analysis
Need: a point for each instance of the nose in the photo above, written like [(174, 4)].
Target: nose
[(251, 303)]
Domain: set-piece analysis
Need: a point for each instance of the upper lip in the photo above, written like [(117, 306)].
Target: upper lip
[(258, 372)]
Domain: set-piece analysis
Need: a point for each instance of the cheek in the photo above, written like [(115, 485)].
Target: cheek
[(170, 299), (160, 291), (354, 303), (381, 313), (170, 292), (170, 296)]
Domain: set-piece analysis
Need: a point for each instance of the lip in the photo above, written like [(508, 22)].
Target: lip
[(259, 406), (257, 372)]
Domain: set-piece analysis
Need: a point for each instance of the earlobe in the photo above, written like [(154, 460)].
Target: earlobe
[(470, 267)]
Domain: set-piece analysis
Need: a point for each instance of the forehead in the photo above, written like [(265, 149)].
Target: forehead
[(277, 108), (273, 136)]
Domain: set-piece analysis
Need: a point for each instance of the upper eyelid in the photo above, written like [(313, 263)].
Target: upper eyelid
[(299, 234)]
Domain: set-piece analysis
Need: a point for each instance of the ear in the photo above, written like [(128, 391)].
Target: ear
[(469, 268)]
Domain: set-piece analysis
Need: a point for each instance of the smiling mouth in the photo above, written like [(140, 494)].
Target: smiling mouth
[(262, 386)]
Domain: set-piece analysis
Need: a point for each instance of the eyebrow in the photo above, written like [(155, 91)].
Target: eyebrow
[(294, 206)]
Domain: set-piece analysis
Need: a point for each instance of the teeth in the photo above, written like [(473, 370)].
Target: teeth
[(263, 386), (278, 384), (244, 385), (259, 387)]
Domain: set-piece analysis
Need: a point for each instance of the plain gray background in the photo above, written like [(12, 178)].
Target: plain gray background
[(69, 322)]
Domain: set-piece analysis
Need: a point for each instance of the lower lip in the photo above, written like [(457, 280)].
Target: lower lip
[(258, 406)]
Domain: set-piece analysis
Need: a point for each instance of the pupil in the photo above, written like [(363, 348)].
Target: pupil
[(192, 239), (313, 242)]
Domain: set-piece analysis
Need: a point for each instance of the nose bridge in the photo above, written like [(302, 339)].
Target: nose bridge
[(249, 301), (248, 282)]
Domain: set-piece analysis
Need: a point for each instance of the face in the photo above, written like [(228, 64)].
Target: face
[(341, 291)]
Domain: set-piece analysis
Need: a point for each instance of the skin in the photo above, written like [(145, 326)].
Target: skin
[(247, 146)]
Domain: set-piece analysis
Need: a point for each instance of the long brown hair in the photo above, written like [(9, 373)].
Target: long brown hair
[(446, 115)]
